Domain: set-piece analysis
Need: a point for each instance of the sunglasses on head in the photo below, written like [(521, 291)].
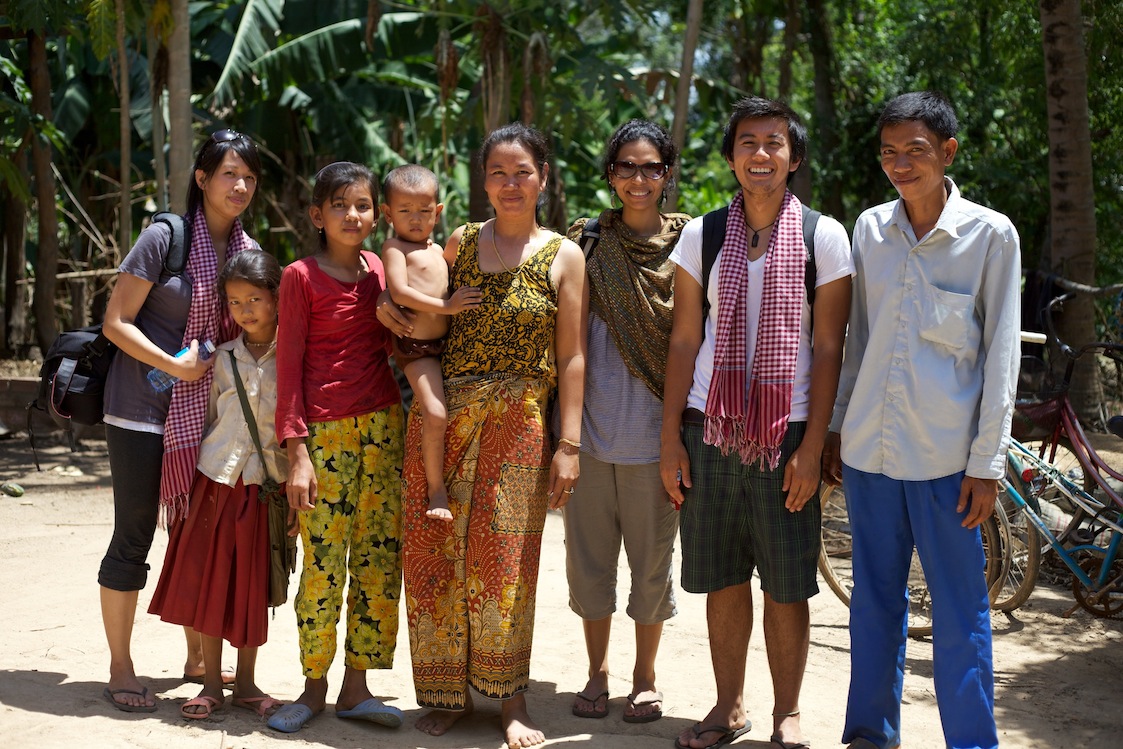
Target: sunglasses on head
[(225, 136), (627, 170)]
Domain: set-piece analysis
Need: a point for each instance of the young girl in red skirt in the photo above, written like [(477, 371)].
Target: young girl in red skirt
[(216, 571)]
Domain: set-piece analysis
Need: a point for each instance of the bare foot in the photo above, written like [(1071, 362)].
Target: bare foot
[(437, 722), (438, 506), (785, 727), (519, 730), (643, 704), (709, 729), (204, 709), (125, 688), (592, 701)]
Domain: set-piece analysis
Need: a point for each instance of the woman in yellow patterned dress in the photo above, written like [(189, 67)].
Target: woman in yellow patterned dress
[(470, 584)]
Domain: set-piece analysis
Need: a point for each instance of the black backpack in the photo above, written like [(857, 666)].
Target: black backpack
[(713, 234), (76, 366)]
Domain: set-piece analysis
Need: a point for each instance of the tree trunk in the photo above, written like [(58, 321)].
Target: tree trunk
[(1071, 198), (46, 264), (826, 118), (179, 107), (156, 86), (14, 237), (793, 21), (124, 204), (682, 91)]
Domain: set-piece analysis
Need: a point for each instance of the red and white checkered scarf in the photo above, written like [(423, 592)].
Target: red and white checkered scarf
[(752, 420), (206, 319)]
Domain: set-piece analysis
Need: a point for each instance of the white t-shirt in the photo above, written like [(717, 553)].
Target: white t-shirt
[(832, 261)]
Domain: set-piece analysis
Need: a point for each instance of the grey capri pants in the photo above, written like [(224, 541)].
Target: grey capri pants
[(611, 503)]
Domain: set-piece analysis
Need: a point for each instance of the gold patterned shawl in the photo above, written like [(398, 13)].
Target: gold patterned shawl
[(631, 288)]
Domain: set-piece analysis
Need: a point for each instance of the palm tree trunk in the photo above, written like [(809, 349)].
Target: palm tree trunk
[(682, 91), (124, 210), (14, 237), (46, 264), (156, 86), (179, 106), (1071, 196), (826, 116)]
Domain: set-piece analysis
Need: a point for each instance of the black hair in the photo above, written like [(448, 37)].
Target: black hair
[(516, 132), (210, 157), (409, 177), (337, 176), (255, 267), (635, 130), (930, 107), (758, 107)]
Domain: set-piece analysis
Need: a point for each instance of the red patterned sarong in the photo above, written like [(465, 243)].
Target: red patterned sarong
[(470, 584)]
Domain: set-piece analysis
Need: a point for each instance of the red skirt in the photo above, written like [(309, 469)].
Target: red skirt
[(216, 571)]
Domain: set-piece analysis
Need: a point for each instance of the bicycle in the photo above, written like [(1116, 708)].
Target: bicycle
[(836, 567), (1064, 501)]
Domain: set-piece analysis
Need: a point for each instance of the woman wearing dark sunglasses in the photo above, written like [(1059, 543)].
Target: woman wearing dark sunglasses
[(620, 496), (153, 435)]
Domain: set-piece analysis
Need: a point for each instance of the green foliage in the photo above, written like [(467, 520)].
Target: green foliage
[(259, 21), (309, 83), (102, 20)]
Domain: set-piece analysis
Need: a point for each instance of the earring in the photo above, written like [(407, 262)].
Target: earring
[(612, 197)]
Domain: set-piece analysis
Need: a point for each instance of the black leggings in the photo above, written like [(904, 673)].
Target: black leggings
[(135, 460)]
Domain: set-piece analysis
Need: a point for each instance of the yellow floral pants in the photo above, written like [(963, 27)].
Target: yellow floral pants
[(353, 532)]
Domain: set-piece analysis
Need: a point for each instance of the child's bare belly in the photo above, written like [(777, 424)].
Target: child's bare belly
[(429, 276)]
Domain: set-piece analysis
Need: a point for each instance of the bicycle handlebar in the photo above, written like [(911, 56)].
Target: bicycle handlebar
[(1067, 350)]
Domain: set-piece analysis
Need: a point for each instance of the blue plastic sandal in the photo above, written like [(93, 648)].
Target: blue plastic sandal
[(290, 718), (374, 710)]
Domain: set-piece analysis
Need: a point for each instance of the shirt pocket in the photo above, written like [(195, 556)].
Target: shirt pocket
[(946, 318)]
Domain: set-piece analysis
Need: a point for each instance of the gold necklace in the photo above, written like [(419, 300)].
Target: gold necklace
[(253, 344), (495, 248)]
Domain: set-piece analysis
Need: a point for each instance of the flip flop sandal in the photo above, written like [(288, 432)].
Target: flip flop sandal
[(592, 713), (110, 696), (655, 714), (209, 705), (259, 705), (789, 745), (728, 735)]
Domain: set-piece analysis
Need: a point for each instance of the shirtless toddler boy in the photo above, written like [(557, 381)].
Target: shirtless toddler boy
[(417, 276)]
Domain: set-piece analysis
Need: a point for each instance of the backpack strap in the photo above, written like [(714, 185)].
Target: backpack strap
[(713, 234), (590, 236), (180, 244), (810, 222), (60, 385)]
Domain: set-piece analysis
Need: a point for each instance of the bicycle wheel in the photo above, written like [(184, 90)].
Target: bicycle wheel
[(836, 559), (1023, 550)]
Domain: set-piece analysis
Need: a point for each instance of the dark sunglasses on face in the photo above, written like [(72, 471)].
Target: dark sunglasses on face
[(627, 170)]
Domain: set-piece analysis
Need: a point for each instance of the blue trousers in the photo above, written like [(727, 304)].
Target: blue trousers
[(887, 517)]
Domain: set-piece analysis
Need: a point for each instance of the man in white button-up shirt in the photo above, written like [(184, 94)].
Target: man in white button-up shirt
[(924, 408)]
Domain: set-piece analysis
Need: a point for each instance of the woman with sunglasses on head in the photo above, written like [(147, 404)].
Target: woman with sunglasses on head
[(621, 497), (470, 583), (153, 435)]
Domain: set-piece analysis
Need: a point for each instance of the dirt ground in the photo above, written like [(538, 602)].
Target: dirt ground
[(1058, 679)]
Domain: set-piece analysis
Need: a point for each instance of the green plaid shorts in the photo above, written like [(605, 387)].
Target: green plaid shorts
[(733, 520)]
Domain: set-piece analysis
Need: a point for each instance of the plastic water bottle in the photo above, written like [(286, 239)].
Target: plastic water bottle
[(161, 380)]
